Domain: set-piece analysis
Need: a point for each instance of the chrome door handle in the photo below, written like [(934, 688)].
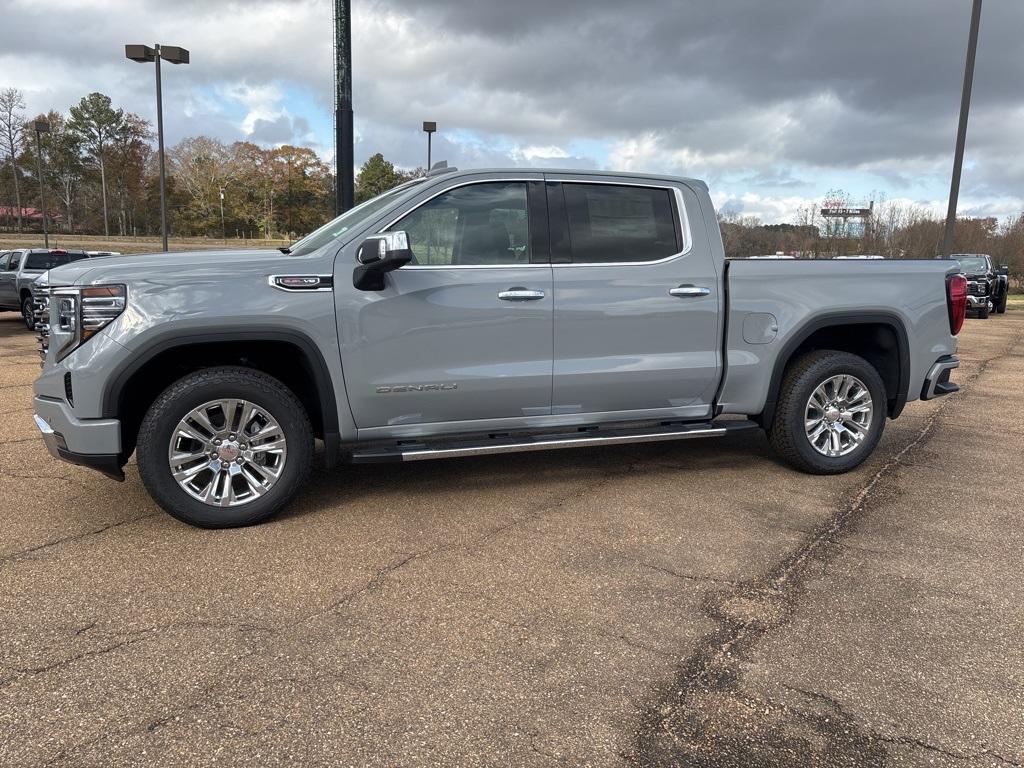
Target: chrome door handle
[(689, 291), (520, 294)]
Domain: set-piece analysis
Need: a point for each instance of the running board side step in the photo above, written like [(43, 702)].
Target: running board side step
[(481, 446)]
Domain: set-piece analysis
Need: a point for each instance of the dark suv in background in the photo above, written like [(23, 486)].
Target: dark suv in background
[(987, 286)]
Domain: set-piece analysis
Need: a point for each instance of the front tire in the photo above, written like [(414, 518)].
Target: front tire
[(225, 447), (830, 413), (28, 313)]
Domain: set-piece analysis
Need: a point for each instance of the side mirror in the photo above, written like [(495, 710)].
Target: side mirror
[(379, 255)]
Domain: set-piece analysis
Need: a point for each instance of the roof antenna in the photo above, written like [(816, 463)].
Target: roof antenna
[(440, 167)]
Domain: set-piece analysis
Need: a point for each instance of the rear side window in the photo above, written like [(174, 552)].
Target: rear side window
[(610, 223)]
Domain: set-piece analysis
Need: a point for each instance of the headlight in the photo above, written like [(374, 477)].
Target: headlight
[(101, 304), (78, 314)]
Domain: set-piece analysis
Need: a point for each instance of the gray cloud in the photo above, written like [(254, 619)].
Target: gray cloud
[(777, 94)]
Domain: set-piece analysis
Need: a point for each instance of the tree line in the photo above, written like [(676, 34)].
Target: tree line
[(895, 230), (101, 176)]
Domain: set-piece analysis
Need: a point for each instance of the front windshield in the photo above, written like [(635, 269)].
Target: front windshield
[(972, 264), (339, 226)]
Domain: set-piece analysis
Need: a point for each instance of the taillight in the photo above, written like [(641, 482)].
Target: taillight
[(956, 301)]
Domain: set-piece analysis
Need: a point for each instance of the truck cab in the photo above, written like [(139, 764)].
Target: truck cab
[(18, 271)]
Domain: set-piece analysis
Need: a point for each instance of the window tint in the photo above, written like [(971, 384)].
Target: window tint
[(15, 261), (43, 260), (474, 225), (609, 223)]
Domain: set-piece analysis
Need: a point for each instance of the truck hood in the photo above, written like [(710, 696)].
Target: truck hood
[(124, 268)]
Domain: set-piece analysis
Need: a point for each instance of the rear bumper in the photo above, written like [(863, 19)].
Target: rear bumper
[(937, 383), (93, 443)]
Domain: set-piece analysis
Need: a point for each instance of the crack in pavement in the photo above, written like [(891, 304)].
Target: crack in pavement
[(13, 557), (704, 719), (902, 740), (677, 574), (21, 440)]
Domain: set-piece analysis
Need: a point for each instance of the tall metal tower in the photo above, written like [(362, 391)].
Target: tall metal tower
[(344, 137)]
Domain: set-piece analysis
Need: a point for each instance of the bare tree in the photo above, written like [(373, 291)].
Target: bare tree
[(12, 127)]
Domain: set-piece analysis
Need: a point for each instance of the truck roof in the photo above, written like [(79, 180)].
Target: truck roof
[(453, 172)]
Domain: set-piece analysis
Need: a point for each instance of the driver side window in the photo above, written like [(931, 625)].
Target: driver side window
[(475, 225)]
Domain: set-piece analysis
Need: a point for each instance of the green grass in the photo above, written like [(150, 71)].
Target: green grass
[(130, 244)]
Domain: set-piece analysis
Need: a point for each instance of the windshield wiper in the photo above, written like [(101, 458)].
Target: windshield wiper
[(285, 250)]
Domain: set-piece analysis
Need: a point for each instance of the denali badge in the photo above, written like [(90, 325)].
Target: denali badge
[(417, 388)]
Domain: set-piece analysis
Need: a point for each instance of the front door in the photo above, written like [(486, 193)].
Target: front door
[(464, 332), (637, 301)]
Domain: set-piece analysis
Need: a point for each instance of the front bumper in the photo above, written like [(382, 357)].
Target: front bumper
[(974, 303), (94, 443), (937, 383)]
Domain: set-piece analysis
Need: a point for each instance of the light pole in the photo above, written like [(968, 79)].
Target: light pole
[(223, 232), (961, 131), (429, 129), (344, 133), (175, 55), (42, 127)]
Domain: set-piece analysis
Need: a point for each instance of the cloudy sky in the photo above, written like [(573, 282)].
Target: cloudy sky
[(774, 103)]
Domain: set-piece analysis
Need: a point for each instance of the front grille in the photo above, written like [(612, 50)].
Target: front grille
[(977, 289), (41, 313)]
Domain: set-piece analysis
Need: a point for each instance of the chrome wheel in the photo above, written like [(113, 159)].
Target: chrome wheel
[(838, 415), (226, 453)]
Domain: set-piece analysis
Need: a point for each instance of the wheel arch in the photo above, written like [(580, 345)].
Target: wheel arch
[(878, 337), (289, 355)]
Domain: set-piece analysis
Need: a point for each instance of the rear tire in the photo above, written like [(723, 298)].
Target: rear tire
[(243, 485), (790, 433)]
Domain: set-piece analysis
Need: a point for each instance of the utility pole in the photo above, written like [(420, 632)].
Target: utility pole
[(223, 232), (41, 127), (344, 137), (961, 132)]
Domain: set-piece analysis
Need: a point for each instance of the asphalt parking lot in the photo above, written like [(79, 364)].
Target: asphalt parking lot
[(668, 604)]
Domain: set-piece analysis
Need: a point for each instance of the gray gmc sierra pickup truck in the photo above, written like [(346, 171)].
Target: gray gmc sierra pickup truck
[(479, 312)]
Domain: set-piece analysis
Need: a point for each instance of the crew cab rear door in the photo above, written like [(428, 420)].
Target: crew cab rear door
[(637, 299), (9, 262), (462, 335)]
